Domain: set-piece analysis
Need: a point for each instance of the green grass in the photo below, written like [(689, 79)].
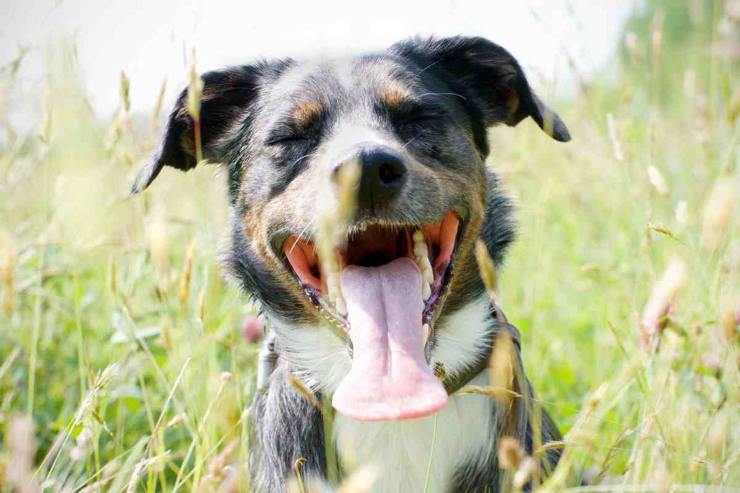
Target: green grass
[(131, 364)]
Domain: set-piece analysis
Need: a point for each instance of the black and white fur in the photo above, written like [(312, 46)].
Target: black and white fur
[(277, 170)]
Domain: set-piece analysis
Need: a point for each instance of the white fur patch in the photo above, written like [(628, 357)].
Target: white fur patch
[(320, 358), (399, 450), (463, 336)]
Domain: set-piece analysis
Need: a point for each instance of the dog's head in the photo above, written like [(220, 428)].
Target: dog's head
[(413, 120)]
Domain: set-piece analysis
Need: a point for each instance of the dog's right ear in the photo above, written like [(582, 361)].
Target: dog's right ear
[(224, 104), (489, 77)]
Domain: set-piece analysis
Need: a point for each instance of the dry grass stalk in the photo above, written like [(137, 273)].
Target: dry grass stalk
[(297, 483), (202, 305), (142, 466), (195, 94), (614, 138), (490, 391), (486, 267), (124, 89), (112, 277), (332, 223), (158, 105), (304, 391), (654, 315), (187, 275), (123, 122), (348, 178), (501, 372), (8, 278)]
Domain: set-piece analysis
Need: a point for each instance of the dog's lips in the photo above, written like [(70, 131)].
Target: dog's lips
[(377, 245), (392, 280)]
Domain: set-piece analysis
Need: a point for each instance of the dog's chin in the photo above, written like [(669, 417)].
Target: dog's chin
[(384, 292)]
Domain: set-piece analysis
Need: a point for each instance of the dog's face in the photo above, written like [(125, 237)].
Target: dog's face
[(411, 121)]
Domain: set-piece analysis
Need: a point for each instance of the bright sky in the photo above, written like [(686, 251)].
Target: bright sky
[(149, 39)]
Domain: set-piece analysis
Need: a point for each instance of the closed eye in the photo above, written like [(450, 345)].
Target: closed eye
[(419, 117), (412, 113), (285, 139), (411, 123)]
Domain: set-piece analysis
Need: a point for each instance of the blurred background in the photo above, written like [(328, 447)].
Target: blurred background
[(151, 41), (126, 356)]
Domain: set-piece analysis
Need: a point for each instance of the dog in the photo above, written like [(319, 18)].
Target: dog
[(391, 332)]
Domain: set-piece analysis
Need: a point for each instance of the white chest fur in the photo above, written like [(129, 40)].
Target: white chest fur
[(399, 451)]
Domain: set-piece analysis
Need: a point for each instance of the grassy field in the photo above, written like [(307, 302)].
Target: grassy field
[(123, 368)]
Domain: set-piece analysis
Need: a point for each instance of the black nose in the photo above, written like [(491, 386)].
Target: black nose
[(382, 178)]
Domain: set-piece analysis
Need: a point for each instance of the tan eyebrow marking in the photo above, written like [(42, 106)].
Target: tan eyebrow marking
[(394, 95), (306, 112)]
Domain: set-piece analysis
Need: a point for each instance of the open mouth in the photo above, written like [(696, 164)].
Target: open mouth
[(385, 291)]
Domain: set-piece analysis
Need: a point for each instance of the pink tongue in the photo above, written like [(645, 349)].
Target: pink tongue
[(390, 378)]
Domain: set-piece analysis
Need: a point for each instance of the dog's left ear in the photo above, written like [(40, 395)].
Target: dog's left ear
[(225, 101), (489, 77)]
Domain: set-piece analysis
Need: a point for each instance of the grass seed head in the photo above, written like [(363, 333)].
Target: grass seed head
[(501, 367), (195, 89), (510, 454), (187, 275), (21, 445), (202, 305), (486, 267), (348, 179), (730, 317), (334, 219), (717, 212), (158, 105), (7, 272), (653, 319), (124, 88), (655, 177)]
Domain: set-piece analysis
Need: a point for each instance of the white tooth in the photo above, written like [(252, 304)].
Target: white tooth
[(420, 245), (341, 306), (426, 332), (426, 270), (421, 254), (428, 276), (426, 290)]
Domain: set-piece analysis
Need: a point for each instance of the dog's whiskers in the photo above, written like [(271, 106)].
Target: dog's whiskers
[(310, 154), (300, 235), (411, 140), (443, 94)]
